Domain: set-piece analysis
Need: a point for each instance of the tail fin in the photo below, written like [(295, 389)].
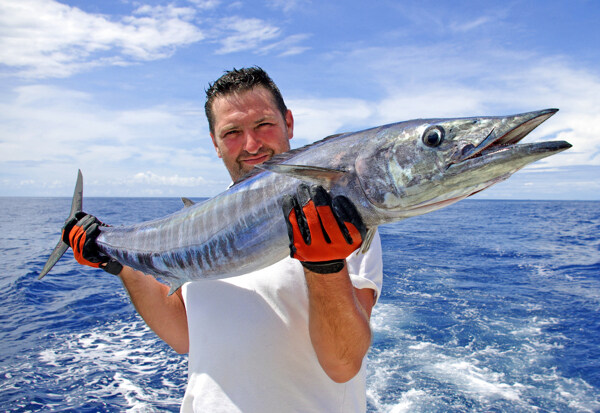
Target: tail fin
[(61, 247)]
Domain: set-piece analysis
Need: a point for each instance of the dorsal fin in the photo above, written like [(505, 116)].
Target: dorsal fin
[(187, 202)]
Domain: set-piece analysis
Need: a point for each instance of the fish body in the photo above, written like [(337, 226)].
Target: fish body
[(390, 173)]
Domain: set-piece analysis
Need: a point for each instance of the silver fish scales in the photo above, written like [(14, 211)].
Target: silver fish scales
[(390, 173)]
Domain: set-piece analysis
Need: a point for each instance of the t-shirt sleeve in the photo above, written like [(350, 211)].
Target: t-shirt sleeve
[(366, 270)]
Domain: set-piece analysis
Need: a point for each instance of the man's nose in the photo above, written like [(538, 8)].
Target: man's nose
[(252, 143)]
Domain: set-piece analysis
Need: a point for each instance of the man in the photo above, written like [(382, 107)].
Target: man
[(291, 337)]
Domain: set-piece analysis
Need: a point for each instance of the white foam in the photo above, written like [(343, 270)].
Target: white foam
[(471, 379), (408, 401), (121, 359), (420, 346), (411, 372), (386, 318)]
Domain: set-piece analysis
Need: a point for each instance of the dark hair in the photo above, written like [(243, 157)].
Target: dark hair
[(241, 80)]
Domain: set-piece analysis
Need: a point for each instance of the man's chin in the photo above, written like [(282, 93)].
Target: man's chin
[(244, 170)]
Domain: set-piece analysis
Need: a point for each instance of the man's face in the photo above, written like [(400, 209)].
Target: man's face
[(249, 130)]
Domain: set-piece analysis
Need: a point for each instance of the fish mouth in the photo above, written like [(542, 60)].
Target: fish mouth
[(507, 133)]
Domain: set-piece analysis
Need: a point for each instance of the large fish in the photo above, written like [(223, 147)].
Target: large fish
[(390, 173)]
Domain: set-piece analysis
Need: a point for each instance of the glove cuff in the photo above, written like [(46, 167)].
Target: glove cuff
[(113, 267), (324, 267)]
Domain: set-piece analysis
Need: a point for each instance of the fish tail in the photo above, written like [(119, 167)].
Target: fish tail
[(61, 247)]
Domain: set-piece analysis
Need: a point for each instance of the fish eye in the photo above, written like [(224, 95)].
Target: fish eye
[(433, 136)]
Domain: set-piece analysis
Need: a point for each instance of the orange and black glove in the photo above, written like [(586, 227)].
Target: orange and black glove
[(80, 233), (322, 231)]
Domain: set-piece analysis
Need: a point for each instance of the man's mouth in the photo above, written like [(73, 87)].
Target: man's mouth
[(256, 159)]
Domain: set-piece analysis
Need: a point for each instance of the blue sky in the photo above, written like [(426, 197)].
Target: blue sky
[(116, 87)]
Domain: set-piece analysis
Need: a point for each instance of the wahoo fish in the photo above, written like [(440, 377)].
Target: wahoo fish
[(390, 173)]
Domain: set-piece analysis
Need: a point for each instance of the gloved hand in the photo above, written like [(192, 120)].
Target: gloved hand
[(322, 231), (80, 234)]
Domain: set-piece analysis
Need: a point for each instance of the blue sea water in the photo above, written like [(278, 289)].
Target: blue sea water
[(488, 306)]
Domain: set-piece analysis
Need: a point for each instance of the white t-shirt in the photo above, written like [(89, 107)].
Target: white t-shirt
[(250, 349)]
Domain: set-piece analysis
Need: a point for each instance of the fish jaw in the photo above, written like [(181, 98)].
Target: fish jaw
[(505, 132)]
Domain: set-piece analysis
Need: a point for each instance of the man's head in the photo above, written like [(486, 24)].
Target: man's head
[(248, 119)]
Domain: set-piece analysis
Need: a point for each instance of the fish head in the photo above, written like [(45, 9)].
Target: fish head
[(422, 165)]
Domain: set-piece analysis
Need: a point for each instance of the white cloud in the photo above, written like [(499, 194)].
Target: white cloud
[(151, 178), (41, 123), (44, 38), (455, 20), (205, 4), (289, 5), (237, 33), (47, 133), (289, 46), (465, 26), (315, 119)]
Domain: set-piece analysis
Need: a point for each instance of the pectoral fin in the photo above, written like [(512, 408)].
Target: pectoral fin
[(367, 241), (313, 174), (175, 285)]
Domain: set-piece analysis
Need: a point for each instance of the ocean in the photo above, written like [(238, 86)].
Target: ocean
[(487, 306)]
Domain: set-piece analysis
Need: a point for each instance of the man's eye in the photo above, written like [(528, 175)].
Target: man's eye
[(230, 134)]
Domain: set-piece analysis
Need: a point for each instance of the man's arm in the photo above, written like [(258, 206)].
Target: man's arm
[(164, 314), (339, 326), (322, 233)]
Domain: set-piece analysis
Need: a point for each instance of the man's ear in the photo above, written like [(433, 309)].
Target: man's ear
[(214, 141), (289, 121)]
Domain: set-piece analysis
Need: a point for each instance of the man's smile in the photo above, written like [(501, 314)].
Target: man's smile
[(256, 159)]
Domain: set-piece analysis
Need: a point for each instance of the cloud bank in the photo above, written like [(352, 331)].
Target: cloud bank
[(48, 39)]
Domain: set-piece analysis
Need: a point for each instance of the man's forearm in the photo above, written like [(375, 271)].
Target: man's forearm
[(164, 314), (339, 323)]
